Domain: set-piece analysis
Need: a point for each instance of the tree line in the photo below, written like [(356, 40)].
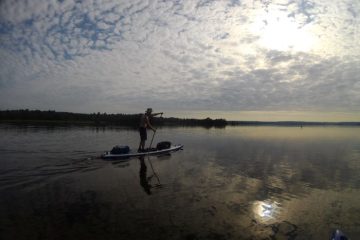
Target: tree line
[(131, 120)]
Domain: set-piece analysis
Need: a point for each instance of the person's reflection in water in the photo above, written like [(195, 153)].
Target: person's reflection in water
[(145, 181), (143, 178)]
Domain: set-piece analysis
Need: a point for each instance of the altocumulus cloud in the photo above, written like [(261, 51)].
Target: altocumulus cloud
[(114, 56)]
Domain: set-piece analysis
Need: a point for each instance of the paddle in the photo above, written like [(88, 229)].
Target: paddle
[(152, 139), (155, 130), (154, 174)]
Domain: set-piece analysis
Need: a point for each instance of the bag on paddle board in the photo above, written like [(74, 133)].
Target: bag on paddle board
[(120, 150), (163, 145)]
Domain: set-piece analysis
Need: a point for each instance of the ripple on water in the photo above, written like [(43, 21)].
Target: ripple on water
[(29, 177)]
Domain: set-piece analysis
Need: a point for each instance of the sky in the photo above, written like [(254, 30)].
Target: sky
[(242, 60)]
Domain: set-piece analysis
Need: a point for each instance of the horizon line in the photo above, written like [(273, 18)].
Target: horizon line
[(305, 122)]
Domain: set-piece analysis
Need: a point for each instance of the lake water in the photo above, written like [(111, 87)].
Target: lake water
[(231, 183)]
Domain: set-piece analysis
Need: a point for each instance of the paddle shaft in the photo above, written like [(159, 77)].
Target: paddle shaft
[(152, 139), (154, 134)]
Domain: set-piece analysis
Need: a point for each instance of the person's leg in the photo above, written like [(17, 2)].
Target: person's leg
[(140, 144), (142, 147), (143, 137)]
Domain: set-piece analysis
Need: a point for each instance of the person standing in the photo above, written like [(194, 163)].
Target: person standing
[(144, 125)]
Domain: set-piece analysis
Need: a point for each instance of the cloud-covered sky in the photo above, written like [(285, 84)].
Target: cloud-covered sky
[(185, 56)]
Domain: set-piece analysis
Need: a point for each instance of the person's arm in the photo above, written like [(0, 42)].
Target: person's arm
[(155, 114)]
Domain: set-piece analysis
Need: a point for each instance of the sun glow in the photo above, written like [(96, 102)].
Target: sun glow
[(278, 31), (266, 211)]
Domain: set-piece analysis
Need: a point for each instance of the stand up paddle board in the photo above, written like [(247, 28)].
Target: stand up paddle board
[(173, 148)]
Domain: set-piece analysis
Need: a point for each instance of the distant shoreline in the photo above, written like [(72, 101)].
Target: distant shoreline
[(290, 123), (131, 120), (98, 119)]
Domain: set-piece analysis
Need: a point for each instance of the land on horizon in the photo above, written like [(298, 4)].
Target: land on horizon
[(53, 117)]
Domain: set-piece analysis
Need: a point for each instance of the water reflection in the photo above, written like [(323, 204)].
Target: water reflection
[(233, 183), (146, 181), (266, 211), (143, 176)]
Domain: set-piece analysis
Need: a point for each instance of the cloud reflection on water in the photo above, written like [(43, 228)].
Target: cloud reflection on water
[(222, 186)]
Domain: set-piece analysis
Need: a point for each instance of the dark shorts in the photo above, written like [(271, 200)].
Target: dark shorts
[(143, 133)]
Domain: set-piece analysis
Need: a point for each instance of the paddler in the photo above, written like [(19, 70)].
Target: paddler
[(145, 124)]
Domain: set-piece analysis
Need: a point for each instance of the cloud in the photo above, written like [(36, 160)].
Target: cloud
[(115, 56)]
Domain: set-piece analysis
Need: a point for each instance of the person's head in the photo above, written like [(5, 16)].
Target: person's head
[(149, 111)]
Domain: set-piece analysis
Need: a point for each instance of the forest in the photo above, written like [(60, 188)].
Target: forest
[(131, 120)]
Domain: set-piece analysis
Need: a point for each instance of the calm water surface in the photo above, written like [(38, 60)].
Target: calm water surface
[(232, 183)]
